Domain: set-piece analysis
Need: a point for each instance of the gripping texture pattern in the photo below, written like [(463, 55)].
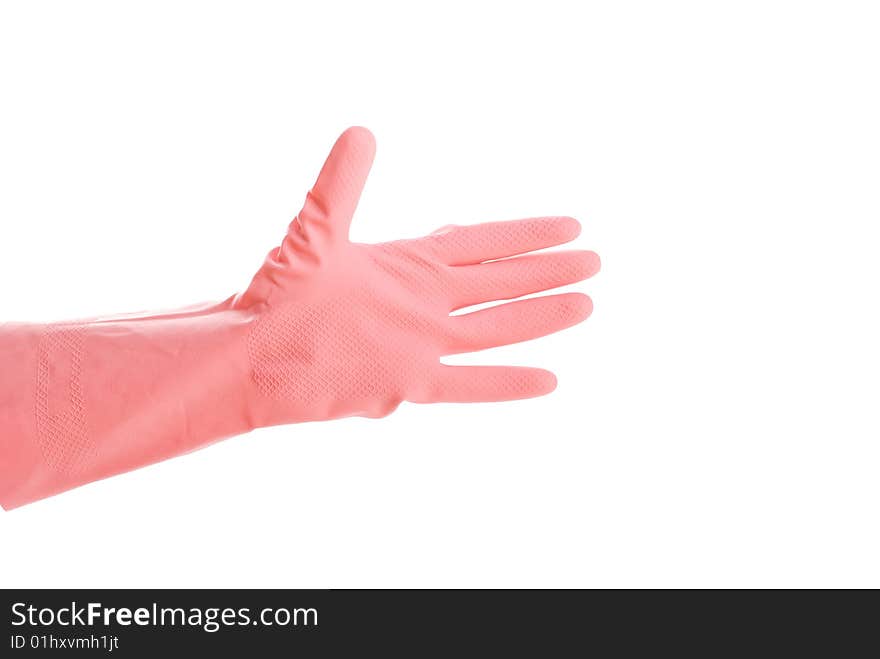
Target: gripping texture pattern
[(288, 350), (60, 404), (330, 350)]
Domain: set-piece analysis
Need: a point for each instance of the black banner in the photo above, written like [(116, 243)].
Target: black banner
[(328, 623)]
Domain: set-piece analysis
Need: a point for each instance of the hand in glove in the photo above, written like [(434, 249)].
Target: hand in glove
[(327, 328)]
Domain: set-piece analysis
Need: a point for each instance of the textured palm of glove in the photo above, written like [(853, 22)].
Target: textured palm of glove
[(327, 328)]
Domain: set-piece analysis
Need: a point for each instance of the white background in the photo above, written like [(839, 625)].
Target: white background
[(716, 422)]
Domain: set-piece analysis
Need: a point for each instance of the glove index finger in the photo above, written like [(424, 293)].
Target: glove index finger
[(467, 245)]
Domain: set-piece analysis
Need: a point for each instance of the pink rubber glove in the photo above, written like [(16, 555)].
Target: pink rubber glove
[(327, 328)]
